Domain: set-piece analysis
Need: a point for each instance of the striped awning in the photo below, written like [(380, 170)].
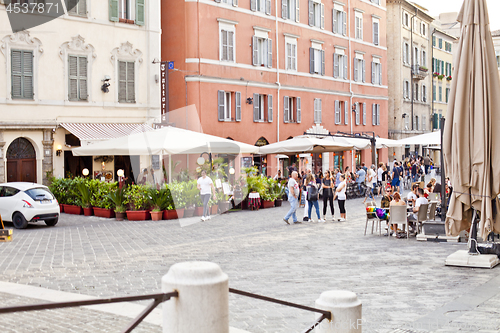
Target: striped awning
[(89, 132)]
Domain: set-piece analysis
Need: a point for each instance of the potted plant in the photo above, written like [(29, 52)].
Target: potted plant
[(255, 184), (191, 194), (280, 191), (58, 189), (435, 74), (448, 78), (103, 205), (158, 200), (440, 76), (212, 203), (423, 68), (198, 209), (136, 198), (84, 195), (118, 198), (178, 203)]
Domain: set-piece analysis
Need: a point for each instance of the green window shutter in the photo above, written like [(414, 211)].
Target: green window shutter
[(113, 10), (17, 74), (131, 82), (73, 78), (82, 84), (72, 7), (82, 7), (139, 12), (122, 81)]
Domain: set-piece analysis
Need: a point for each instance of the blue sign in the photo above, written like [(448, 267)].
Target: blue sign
[(170, 65)]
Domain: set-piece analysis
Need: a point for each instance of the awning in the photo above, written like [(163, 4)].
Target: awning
[(98, 132)]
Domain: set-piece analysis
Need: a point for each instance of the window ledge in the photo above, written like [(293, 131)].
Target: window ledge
[(126, 21)]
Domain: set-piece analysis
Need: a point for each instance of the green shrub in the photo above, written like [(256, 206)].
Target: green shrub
[(136, 197)]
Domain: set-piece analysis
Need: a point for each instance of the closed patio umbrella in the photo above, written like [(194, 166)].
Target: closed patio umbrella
[(471, 141)]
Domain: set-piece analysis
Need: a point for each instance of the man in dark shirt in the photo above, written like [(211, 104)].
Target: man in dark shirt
[(427, 164)]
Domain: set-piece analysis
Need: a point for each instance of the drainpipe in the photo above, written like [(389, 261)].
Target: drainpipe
[(277, 77), (412, 66), (351, 72), (432, 72)]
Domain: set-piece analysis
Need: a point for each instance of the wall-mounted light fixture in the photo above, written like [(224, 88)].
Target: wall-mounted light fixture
[(85, 172), (58, 150), (105, 84), (404, 115), (250, 100)]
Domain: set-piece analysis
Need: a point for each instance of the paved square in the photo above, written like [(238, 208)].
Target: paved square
[(400, 282)]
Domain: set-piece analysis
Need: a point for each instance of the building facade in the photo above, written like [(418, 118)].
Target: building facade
[(262, 71), (443, 45), (90, 71), (410, 77)]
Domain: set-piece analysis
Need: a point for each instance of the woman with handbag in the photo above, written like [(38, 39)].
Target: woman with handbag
[(312, 197)]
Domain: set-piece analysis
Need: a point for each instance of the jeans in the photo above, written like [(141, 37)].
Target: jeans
[(205, 198), (414, 178), (369, 193), (316, 206), (293, 208)]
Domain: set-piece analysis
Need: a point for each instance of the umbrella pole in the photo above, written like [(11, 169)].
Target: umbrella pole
[(443, 176), (473, 235), (170, 168)]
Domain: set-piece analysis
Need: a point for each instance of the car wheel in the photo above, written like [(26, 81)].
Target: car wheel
[(52, 222), (19, 221)]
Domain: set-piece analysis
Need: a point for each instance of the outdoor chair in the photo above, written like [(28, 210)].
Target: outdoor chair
[(399, 216), (373, 218), (432, 212), (421, 216)]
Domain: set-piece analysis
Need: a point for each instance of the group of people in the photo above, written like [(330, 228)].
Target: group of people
[(332, 186)]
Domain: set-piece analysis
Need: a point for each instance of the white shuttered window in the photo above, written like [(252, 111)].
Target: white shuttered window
[(22, 74), (77, 75)]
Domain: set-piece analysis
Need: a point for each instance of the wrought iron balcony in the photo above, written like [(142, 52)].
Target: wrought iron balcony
[(419, 72)]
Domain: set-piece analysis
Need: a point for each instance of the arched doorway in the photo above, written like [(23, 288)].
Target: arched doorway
[(260, 161), (21, 161)]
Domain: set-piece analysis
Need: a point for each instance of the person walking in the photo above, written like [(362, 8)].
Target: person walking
[(396, 173), (371, 180), (312, 198), (427, 164), (293, 197), (328, 194), (340, 195), (206, 186), (305, 217)]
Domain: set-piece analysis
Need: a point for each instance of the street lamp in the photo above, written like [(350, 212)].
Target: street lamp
[(85, 172)]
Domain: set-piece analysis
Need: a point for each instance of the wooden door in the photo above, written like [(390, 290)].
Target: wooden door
[(21, 161)]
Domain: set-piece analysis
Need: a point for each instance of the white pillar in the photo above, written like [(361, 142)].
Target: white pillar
[(203, 302), (346, 312), (326, 162)]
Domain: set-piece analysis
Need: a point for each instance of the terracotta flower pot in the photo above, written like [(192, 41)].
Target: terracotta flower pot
[(61, 208), (213, 209), (72, 209), (120, 216), (170, 214), (180, 212), (198, 211), (156, 216), (103, 212), (137, 215), (87, 211), (188, 212), (267, 204)]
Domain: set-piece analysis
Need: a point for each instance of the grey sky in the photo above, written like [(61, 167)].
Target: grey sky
[(436, 7)]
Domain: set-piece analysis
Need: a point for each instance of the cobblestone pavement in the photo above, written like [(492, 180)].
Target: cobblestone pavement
[(399, 281)]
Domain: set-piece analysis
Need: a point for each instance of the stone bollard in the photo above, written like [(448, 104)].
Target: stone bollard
[(203, 302), (346, 312)]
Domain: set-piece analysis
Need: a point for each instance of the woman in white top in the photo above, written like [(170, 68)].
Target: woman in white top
[(340, 195)]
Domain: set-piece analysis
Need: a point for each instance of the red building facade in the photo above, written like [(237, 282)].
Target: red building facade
[(262, 71)]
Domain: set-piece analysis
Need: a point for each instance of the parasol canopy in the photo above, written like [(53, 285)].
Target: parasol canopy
[(471, 141)]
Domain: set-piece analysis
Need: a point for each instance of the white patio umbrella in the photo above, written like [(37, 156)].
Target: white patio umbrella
[(304, 145), (433, 138), (165, 141)]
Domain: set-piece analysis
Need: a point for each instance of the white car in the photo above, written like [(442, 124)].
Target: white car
[(21, 203)]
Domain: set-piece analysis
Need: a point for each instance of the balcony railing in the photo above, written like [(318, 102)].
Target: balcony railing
[(419, 72)]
